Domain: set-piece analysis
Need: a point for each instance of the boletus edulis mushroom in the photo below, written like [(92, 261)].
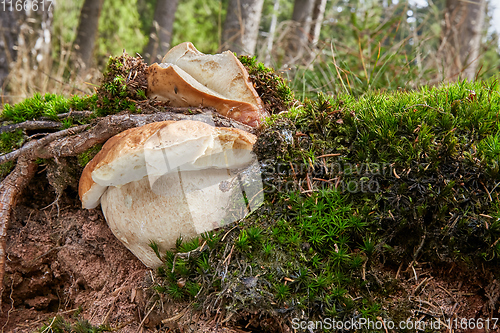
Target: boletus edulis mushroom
[(169, 179), (187, 77)]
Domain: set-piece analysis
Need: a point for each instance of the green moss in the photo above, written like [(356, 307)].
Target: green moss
[(123, 85), (10, 141), (48, 105), (6, 168), (412, 159), (83, 103), (351, 183), (59, 325), (88, 155), (267, 267), (272, 88)]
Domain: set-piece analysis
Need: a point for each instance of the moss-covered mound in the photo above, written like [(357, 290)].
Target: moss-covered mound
[(388, 179), (272, 88), (123, 85)]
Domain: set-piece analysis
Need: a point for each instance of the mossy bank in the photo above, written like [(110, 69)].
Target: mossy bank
[(355, 188)]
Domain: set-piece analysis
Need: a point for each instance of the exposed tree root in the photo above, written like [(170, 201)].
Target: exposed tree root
[(10, 188), (32, 125), (112, 125), (75, 114), (31, 149)]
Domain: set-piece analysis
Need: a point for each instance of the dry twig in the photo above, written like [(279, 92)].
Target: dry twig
[(32, 125)]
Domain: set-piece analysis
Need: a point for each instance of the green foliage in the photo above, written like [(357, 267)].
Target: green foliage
[(282, 292), (407, 160), (199, 22), (48, 105), (154, 246), (377, 45), (6, 168), (66, 17), (11, 141), (189, 245), (243, 243), (117, 35), (88, 155), (121, 27), (489, 151), (271, 87), (117, 91), (31, 108), (279, 259)]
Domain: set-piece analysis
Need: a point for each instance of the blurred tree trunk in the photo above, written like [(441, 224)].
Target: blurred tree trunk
[(298, 37), (461, 41), (9, 31), (241, 27), (272, 30), (86, 34), (317, 20), (161, 30)]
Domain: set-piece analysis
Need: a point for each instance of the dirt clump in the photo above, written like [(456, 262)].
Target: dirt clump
[(61, 257)]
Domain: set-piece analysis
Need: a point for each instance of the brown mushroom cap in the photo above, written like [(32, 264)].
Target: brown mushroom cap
[(159, 148), (171, 84), (222, 73)]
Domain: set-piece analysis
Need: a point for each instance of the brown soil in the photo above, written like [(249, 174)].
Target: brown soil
[(449, 294), (62, 257)]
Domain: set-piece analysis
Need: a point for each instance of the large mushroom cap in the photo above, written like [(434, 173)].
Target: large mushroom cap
[(222, 73), (158, 148), (170, 83)]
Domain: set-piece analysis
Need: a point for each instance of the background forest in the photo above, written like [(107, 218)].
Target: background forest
[(330, 46)]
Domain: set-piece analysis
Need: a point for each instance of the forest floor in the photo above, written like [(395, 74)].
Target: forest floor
[(63, 258)]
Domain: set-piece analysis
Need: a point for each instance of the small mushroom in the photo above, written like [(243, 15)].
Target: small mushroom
[(169, 179), (222, 73), (169, 83), (187, 77)]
